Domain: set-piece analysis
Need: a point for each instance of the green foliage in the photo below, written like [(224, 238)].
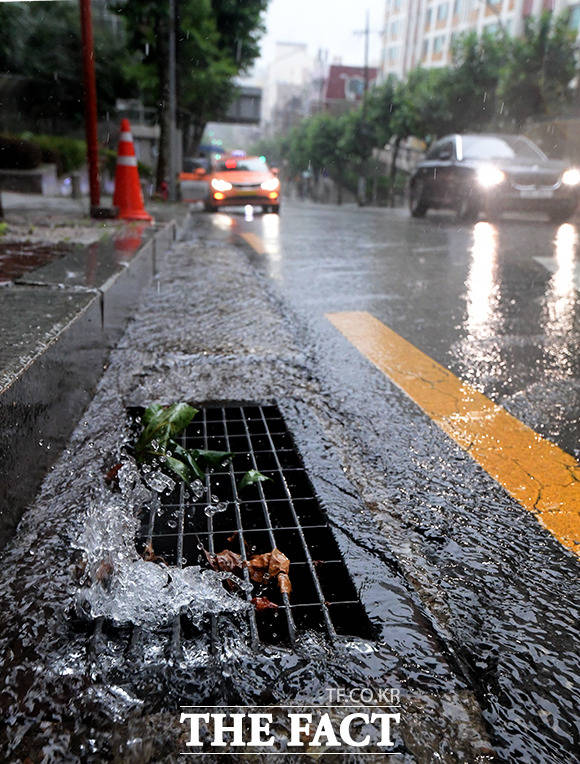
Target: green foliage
[(494, 82), (41, 42), (251, 478), (536, 77), (477, 67), (68, 154), (161, 426), (215, 41)]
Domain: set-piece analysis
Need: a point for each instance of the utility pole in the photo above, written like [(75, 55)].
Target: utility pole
[(362, 180), (90, 105), (366, 33), (172, 106)]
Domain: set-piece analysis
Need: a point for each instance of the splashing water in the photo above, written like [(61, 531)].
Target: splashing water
[(124, 588)]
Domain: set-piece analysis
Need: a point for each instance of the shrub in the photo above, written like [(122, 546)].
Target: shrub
[(18, 154), (67, 153)]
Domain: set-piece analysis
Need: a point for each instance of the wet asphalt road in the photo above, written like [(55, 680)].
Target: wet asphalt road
[(498, 306)]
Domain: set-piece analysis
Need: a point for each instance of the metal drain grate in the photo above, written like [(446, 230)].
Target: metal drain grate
[(282, 512)]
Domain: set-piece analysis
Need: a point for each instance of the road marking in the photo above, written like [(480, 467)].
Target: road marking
[(255, 242), (538, 474), (553, 266)]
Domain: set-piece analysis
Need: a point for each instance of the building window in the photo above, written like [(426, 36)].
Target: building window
[(397, 5), (442, 12), (492, 28), (458, 8), (575, 17), (394, 30), (428, 17), (425, 50), (354, 88), (393, 54), (439, 43)]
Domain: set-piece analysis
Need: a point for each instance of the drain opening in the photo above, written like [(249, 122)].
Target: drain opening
[(282, 513)]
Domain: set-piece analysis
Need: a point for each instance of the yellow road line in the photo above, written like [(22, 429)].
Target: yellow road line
[(539, 475), (255, 242)]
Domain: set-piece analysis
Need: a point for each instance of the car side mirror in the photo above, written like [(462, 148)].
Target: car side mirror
[(200, 172), (274, 171)]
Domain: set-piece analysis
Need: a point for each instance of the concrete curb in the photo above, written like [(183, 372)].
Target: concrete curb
[(41, 406)]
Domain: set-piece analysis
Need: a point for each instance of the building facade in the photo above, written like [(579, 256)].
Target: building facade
[(345, 87), (285, 83), (421, 32)]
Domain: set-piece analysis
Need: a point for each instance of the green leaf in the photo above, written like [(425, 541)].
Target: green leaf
[(213, 458), (163, 423), (179, 468), (188, 456), (151, 412), (251, 477)]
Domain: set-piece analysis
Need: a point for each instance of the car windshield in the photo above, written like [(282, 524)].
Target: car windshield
[(494, 147), (243, 165)]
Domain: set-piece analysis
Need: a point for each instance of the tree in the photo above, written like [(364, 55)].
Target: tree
[(323, 142), (215, 41), (536, 78), (477, 66), (53, 89)]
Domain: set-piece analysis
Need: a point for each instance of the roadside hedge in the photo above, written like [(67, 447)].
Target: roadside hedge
[(28, 151), (68, 154)]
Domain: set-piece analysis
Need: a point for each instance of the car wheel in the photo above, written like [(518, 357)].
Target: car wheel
[(275, 208), (467, 208), (417, 206), (562, 214), (209, 207)]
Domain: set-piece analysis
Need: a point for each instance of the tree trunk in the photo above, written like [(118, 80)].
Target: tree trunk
[(393, 170), (196, 135)]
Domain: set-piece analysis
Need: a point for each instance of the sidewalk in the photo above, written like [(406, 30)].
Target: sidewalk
[(68, 286)]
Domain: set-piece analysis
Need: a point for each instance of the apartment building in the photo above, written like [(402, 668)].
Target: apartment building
[(421, 32)]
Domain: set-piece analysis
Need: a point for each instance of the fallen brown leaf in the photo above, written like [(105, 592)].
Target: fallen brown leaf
[(279, 563), (258, 566), (284, 583), (263, 603), (150, 556), (268, 566), (112, 474), (104, 573), (225, 561)]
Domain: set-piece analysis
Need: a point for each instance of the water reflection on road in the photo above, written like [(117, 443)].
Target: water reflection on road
[(561, 300)]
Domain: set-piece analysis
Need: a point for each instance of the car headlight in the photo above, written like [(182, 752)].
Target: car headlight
[(571, 177), (221, 185), (271, 185), (489, 176)]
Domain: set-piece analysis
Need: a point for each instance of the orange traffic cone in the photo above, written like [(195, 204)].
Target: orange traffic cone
[(128, 196)]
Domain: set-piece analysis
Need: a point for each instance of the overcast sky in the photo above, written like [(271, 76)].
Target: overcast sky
[(327, 24)]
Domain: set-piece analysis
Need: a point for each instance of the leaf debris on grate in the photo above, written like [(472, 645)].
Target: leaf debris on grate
[(280, 513)]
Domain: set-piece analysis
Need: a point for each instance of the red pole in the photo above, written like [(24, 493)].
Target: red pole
[(90, 104)]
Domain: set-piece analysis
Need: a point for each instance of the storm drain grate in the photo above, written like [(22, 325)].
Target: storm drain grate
[(282, 512)]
